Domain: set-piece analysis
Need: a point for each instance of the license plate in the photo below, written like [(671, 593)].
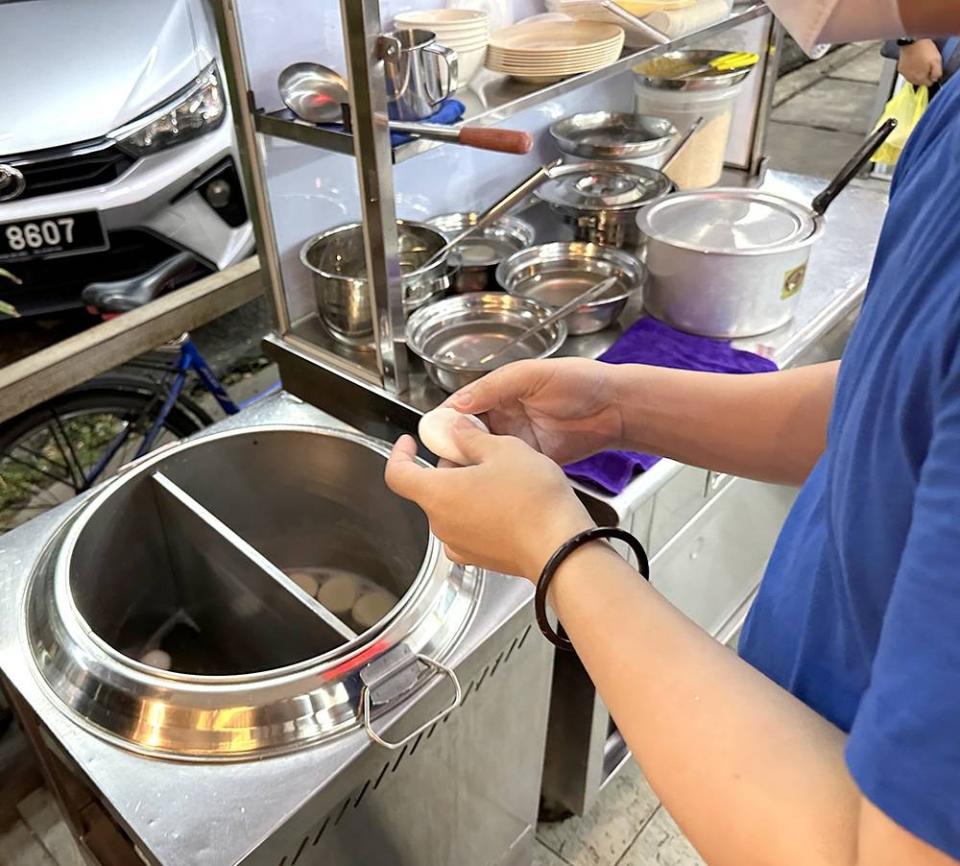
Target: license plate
[(52, 236)]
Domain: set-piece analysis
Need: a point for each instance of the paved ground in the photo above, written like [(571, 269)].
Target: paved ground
[(822, 112)]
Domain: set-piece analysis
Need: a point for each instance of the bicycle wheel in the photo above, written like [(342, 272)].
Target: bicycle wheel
[(55, 450)]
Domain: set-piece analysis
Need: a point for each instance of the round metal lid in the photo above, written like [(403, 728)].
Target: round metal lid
[(612, 135), (727, 221), (672, 71), (602, 186)]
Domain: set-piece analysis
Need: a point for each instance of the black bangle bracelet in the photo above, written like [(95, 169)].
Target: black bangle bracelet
[(903, 43), (555, 561)]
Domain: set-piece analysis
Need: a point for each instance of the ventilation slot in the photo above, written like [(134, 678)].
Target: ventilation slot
[(371, 784)]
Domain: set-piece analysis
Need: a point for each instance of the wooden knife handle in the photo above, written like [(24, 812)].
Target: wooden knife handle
[(491, 138)]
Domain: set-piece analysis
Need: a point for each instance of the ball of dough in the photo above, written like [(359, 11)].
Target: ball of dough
[(339, 593), (436, 433), (157, 658), (306, 581), (372, 607)]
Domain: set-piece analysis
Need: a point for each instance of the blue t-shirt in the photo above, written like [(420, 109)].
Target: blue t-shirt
[(859, 612)]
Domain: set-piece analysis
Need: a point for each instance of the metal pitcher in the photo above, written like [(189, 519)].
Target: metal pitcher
[(416, 84)]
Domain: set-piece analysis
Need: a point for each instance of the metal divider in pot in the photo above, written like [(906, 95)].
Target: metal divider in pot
[(204, 555)]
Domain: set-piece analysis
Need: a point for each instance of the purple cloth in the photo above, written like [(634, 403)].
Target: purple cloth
[(649, 341)]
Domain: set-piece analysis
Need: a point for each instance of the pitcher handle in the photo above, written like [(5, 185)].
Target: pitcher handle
[(452, 62)]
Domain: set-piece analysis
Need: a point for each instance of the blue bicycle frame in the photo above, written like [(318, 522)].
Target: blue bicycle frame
[(190, 361)]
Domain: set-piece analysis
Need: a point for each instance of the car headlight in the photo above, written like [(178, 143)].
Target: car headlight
[(198, 109)]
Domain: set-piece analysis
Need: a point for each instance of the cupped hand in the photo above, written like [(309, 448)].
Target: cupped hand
[(565, 408), (508, 511), (921, 63)]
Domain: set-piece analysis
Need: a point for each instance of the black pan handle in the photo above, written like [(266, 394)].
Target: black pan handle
[(852, 168)]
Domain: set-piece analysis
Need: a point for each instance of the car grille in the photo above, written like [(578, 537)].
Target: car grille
[(55, 284), (65, 169)]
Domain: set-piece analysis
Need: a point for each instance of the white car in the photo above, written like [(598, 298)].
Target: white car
[(117, 150)]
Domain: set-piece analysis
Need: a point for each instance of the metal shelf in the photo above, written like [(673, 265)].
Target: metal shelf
[(499, 97)]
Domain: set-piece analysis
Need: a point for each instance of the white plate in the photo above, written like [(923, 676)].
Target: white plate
[(534, 65), (554, 36), (449, 18), (568, 58)]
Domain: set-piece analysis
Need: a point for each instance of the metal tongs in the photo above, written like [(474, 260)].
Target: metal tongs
[(495, 211)]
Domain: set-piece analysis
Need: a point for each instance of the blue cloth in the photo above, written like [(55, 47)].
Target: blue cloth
[(450, 111), (859, 612)]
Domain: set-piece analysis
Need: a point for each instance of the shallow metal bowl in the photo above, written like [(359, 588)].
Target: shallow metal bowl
[(452, 335), (478, 256), (661, 72), (612, 135), (554, 274)]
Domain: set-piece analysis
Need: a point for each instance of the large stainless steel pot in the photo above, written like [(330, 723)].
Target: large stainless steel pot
[(190, 553), (726, 262), (600, 200), (337, 265)]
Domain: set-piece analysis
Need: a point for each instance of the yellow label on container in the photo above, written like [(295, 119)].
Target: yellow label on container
[(793, 282)]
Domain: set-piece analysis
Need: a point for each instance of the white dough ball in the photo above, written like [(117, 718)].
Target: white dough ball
[(372, 607), (339, 593), (157, 658), (436, 433), (306, 581)]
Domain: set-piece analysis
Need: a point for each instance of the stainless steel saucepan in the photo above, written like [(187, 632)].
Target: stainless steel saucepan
[(730, 262)]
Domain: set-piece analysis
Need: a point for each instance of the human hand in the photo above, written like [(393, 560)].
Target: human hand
[(508, 511), (921, 63), (566, 408)]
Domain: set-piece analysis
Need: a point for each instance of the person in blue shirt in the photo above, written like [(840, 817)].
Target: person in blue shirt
[(834, 740)]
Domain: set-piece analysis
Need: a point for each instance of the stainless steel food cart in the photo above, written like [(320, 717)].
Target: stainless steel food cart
[(709, 535)]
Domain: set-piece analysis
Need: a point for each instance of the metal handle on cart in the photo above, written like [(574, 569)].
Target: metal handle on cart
[(366, 704)]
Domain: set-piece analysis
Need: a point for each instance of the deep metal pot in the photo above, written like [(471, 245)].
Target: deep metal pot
[(337, 266), (478, 257), (600, 200), (726, 262)]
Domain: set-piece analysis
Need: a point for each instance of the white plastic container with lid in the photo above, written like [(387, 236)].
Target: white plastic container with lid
[(661, 90)]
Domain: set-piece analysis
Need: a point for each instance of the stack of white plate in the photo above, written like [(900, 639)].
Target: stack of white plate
[(548, 50), (466, 31)]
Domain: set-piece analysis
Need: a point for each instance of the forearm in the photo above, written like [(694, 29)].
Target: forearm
[(769, 426), (750, 773)]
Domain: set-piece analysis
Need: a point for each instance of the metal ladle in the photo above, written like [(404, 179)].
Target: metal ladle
[(317, 94), (558, 314)]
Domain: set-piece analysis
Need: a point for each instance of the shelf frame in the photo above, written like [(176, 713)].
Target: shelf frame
[(387, 369)]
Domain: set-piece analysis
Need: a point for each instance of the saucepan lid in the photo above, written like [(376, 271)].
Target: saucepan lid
[(727, 221), (597, 186)]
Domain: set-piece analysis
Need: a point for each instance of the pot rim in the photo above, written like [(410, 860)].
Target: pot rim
[(819, 225), (409, 276), (463, 300), (629, 265)]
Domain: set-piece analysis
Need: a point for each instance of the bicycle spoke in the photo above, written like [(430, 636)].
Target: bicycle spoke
[(44, 459), (76, 468), (36, 468)]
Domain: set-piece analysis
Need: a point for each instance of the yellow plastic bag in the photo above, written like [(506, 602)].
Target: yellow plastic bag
[(907, 107)]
